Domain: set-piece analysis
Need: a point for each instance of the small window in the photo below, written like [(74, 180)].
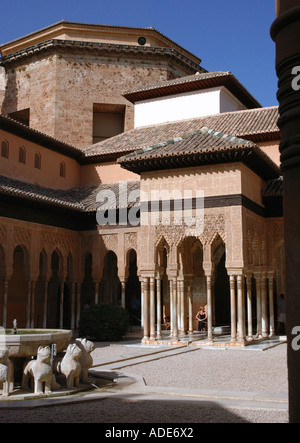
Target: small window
[(108, 121), (5, 149), (37, 161), (22, 155), (62, 169)]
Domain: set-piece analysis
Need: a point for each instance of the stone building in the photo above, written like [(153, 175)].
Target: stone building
[(129, 170)]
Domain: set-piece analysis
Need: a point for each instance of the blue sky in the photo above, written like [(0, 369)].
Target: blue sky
[(228, 35)]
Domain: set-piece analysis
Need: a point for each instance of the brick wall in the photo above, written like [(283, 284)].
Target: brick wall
[(60, 88)]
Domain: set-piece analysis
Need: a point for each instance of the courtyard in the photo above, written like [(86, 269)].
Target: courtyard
[(172, 385)]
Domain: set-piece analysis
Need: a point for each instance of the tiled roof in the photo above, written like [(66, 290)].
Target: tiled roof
[(256, 125), (82, 199), (14, 127), (39, 194), (194, 82), (88, 195), (203, 147)]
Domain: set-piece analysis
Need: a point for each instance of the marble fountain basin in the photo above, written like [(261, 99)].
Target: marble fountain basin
[(27, 341)]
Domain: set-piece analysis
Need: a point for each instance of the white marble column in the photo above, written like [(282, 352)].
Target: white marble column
[(5, 292), (209, 308), (158, 307), (249, 305), (97, 285), (28, 306), (271, 304), (182, 308), (258, 306), (264, 311), (233, 307), (171, 306), (241, 309), (190, 299), (33, 285), (78, 304), (142, 302), (174, 306), (73, 295), (61, 305), (146, 311), (45, 307), (152, 308), (123, 294)]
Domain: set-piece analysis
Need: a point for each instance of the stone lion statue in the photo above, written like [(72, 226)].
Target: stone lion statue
[(6, 372), (70, 365), (86, 360), (40, 369)]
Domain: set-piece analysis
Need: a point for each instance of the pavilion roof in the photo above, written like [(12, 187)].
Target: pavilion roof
[(257, 125), (202, 147)]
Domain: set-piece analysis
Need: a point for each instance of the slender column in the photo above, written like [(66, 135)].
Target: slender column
[(123, 297), (28, 304), (179, 305), (61, 305), (258, 306), (271, 305), (183, 308), (5, 292), (249, 306), (45, 308), (146, 311), (152, 308), (264, 314), (97, 284), (190, 297), (142, 302), (73, 306), (78, 304), (233, 307), (33, 285), (159, 319), (175, 321), (241, 309), (209, 308), (171, 307)]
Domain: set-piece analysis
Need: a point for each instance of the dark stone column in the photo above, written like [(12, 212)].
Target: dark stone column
[(285, 32)]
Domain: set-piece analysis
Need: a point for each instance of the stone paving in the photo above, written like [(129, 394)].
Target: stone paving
[(161, 384)]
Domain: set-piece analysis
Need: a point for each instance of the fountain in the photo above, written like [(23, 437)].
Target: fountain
[(25, 342), (39, 354), (15, 327)]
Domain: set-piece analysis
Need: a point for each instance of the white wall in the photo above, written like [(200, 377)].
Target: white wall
[(2, 79), (185, 106), (228, 102)]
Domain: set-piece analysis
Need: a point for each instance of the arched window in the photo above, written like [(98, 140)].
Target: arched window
[(22, 155), (5, 149), (37, 161), (62, 169)]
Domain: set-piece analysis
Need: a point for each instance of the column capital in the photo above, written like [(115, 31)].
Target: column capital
[(235, 272), (147, 274), (270, 274), (208, 268), (257, 275), (249, 274)]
